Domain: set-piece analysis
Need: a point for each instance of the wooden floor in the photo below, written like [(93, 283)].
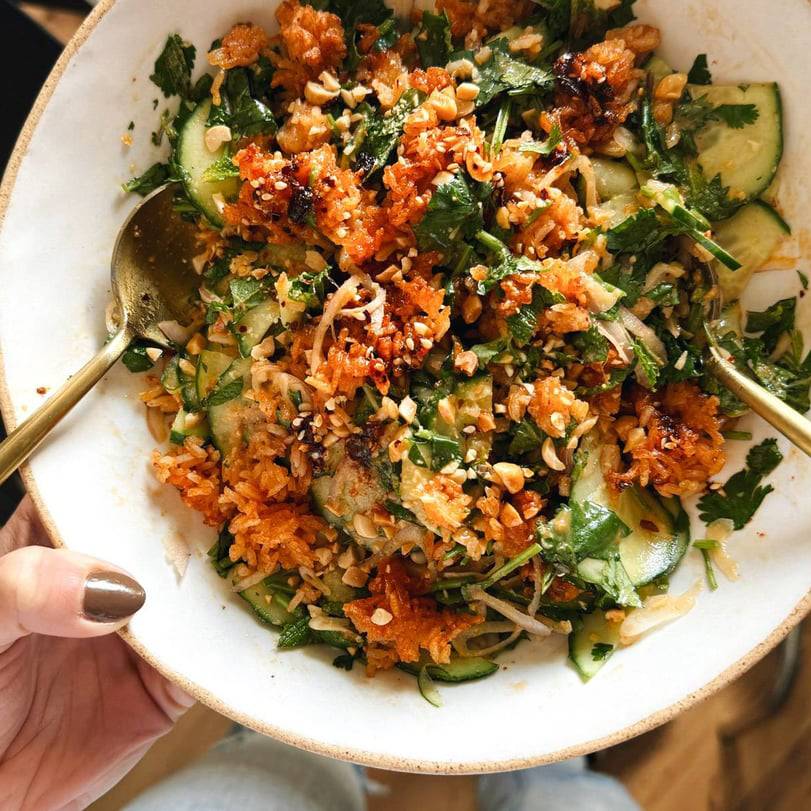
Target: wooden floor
[(680, 767)]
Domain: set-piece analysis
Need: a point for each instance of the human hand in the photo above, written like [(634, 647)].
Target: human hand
[(78, 708)]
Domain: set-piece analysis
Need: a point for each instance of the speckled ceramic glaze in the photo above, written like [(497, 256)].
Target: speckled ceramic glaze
[(61, 207)]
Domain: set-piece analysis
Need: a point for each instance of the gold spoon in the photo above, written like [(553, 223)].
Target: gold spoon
[(781, 416), (153, 282)]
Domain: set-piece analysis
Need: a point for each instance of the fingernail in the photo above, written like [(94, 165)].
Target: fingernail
[(111, 596)]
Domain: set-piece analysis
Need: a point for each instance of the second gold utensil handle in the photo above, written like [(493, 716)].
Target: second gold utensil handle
[(784, 418), (21, 442)]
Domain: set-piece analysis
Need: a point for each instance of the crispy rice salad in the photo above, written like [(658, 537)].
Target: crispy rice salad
[(446, 390)]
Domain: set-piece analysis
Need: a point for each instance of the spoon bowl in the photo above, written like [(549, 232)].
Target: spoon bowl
[(154, 285)]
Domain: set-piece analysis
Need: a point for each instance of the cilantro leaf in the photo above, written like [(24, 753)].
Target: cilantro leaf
[(743, 493), (601, 651), (153, 178), (174, 66), (433, 450), (434, 40), (452, 213), (245, 292), (636, 234), (523, 324), (773, 322), (240, 109), (136, 359), (504, 73), (506, 263), (383, 132), (486, 352), (700, 72), (737, 116), (647, 369)]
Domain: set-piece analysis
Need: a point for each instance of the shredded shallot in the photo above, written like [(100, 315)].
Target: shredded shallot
[(657, 611), (342, 296)]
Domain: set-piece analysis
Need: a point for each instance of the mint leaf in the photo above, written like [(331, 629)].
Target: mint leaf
[(174, 66), (240, 109), (383, 131), (700, 72), (601, 651), (743, 494), (295, 634), (136, 359), (647, 370), (229, 391), (773, 322), (153, 178), (221, 169), (504, 73), (527, 437)]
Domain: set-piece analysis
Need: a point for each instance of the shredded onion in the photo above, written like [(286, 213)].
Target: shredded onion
[(657, 611), (527, 623), (174, 332), (460, 643), (247, 582), (599, 296), (342, 296), (334, 624), (583, 165), (177, 551), (614, 332), (645, 334), (661, 271), (284, 383)]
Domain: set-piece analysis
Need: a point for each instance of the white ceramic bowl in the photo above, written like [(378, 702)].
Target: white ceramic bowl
[(62, 207)]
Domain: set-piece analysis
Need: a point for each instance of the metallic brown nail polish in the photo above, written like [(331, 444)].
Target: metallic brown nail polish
[(111, 596)]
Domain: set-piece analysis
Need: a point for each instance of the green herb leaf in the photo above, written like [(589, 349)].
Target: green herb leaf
[(504, 73), (546, 147), (400, 512), (245, 292), (452, 213), (773, 322), (295, 634), (527, 438), (310, 288), (700, 72), (136, 359), (174, 66), (591, 346), (241, 110), (434, 40), (601, 651), (647, 369), (383, 131), (737, 116), (221, 169), (743, 493), (153, 178), (229, 391)]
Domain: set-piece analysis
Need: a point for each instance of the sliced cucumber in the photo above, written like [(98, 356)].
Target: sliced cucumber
[(657, 69), (752, 235), (252, 327), (350, 489), (746, 158), (592, 630), (172, 379), (228, 419), (660, 530), (269, 606), (186, 424), (614, 178), (457, 670), (210, 367), (194, 158)]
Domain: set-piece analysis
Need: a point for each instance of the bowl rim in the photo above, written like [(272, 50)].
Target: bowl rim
[(364, 757)]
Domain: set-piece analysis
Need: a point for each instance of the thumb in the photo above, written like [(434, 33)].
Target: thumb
[(61, 593)]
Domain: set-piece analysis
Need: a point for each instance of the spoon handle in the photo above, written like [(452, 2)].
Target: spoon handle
[(791, 424), (21, 442)]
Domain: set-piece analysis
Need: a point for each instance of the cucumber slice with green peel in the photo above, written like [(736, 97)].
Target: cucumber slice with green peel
[(210, 367), (185, 425), (614, 178), (592, 642), (268, 605), (457, 670), (747, 158), (252, 327), (238, 369), (172, 378), (227, 422), (194, 158), (752, 235), (660, 529)]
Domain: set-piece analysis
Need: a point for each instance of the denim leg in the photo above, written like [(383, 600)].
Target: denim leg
[(567, 785), (250, 772)]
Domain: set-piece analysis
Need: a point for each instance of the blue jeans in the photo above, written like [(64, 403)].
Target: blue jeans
[(252, 773)]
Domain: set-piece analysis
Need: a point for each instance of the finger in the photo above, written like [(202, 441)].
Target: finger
[(24, 528), (61, 593)]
